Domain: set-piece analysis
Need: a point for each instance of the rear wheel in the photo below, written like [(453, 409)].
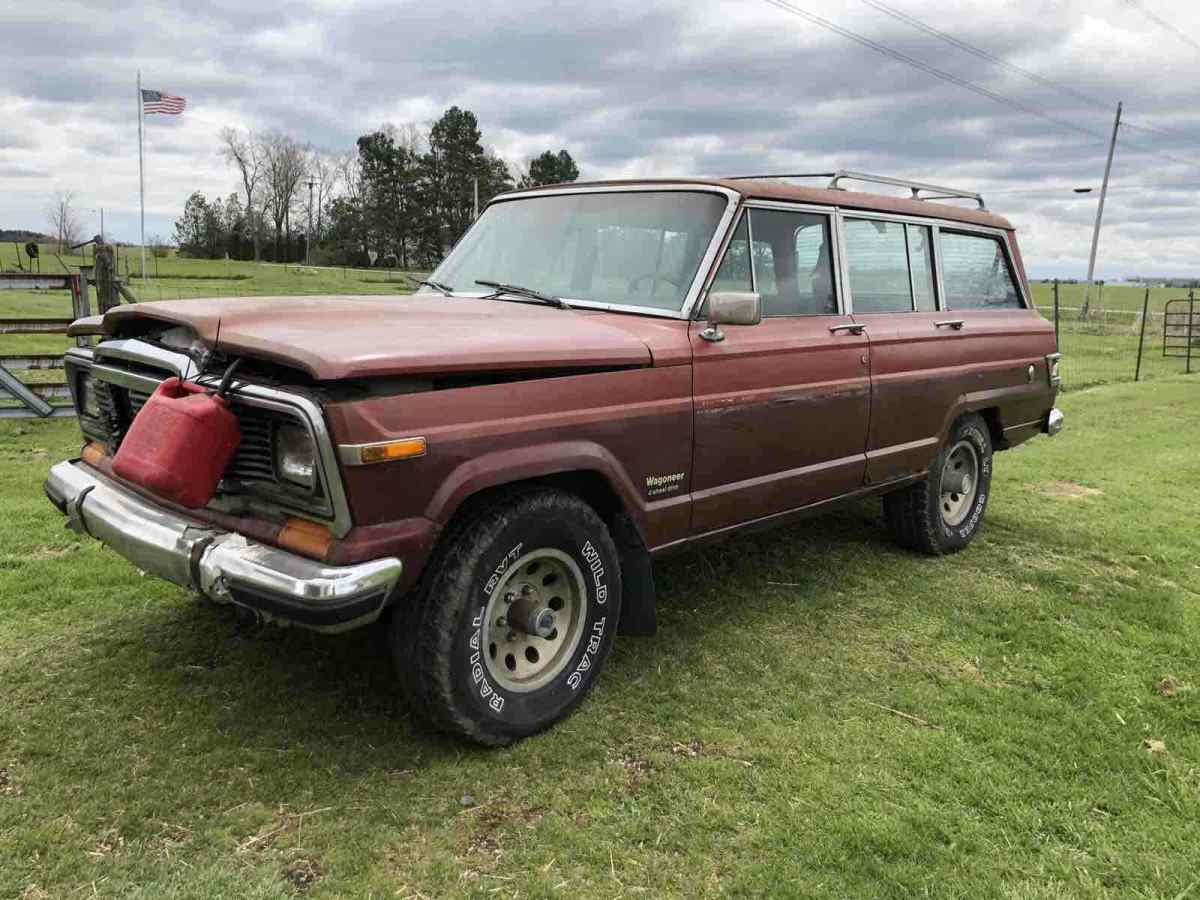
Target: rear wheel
[(943, 513), (515, 621)]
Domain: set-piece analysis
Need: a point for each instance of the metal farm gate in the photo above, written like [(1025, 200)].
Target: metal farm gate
[(42, 399), (1181, 330)]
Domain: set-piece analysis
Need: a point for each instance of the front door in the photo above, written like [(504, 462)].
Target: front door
[(781, 407)]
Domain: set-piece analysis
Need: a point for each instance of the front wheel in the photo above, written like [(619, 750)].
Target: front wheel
[(943, 513), (515, 622)]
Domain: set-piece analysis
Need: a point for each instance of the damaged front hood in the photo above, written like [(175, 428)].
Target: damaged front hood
[(338, 337)]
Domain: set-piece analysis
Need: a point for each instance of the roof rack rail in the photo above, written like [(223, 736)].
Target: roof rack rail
[(935, 192)]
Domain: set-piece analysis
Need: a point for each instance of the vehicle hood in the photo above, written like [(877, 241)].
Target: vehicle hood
[(339, 337)]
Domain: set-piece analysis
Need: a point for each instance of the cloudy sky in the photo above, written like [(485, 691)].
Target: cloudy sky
[(630, 88)]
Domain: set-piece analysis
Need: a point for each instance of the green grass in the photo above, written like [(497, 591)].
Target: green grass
[(152, 748)]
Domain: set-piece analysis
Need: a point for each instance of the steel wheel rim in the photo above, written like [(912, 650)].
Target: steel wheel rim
[(959, 483), (522, 662)]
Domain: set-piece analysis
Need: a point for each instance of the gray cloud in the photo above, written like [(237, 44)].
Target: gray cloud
[(663, 88)]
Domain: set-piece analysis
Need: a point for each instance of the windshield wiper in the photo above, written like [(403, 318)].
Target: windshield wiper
[(445, 289), (516, 289)]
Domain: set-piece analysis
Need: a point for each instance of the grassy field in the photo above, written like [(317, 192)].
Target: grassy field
[(821, 714)]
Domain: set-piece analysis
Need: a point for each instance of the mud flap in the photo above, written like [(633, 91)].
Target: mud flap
[(639, 616)]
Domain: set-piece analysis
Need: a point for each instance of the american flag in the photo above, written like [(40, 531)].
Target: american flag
[(158, 102)]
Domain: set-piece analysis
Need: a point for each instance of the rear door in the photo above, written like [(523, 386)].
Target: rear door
[(782, 407), (944, 313), (890, 270)]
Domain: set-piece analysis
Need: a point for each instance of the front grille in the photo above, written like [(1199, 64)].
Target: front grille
[(253, 466)]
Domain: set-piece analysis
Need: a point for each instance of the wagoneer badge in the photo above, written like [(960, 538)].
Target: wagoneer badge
[(663, 484)]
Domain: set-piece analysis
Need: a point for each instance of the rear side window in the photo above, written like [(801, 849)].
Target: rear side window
[(975, 273), (891, 266)]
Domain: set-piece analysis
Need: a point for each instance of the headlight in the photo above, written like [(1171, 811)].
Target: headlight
[(88, 402), (295, 456)]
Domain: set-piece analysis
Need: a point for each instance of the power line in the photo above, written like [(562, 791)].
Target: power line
[(931, 70), (1163, 22), (962, 82), (984, 54), (1011, 67)]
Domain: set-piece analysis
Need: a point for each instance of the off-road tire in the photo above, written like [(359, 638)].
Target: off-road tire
[(438, 636), (914, 515)]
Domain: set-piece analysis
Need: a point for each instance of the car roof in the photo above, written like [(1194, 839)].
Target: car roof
[(794, 193)]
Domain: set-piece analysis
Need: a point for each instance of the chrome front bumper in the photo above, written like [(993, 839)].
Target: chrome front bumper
[(1054, 422), (222, 565)]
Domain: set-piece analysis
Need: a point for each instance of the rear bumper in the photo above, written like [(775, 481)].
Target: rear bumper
[(1054, 422), (222, 565)]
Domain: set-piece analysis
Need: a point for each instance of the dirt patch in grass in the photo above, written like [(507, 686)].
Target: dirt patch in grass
[(1169, 686), (637, 772), (169, 838), (33, 892), (486, 828), (303, 872), (8, 787), (110, 844), (1067, 490)]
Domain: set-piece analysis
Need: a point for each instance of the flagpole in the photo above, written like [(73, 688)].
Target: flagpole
[(141, 174)]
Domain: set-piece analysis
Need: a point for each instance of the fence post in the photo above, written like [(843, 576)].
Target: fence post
[(1137, 372), (1191, 327), (1057, 344)]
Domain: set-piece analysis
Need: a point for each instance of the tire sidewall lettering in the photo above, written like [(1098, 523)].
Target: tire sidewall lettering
[(515, 708), (962, 533)]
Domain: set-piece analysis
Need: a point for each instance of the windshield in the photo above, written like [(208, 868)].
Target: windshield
[(623, 248)]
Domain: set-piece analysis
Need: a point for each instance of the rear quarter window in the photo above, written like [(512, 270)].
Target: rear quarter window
[(975, 273)]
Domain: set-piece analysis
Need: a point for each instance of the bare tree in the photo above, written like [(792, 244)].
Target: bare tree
[(284, 163), (243, 150), (64, 220), (324, 170)]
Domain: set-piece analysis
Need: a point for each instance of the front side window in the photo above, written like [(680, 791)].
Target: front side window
[(734, 273), (789, 262), (631, 248), (976, 274)]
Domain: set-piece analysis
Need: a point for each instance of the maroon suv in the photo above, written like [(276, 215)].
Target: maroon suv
[(596, 375)]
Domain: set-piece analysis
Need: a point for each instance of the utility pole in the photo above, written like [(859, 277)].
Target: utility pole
[(1112, 145), (475, 206), (308, 237)]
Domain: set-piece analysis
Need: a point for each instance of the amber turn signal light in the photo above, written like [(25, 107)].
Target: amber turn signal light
[(383, 451), (92, 453), (309, 538)]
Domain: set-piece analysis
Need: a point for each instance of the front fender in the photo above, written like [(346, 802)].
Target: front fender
[(503, 467)]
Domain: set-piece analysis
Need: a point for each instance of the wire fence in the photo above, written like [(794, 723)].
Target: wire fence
[(1104, 346)]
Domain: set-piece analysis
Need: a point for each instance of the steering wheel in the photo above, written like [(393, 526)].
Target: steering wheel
[(653, 276)]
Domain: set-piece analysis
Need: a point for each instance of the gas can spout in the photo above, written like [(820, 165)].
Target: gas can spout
[(227, 378)]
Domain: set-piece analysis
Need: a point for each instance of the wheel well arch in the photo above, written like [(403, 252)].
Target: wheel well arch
[(638, 602)]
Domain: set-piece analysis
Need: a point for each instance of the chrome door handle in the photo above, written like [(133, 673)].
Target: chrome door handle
[(853, 328), (956, 324)]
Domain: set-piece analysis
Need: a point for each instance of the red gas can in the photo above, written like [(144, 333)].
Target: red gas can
[(179, 444)]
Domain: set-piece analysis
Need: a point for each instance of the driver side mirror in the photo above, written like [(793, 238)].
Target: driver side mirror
[(731, 308)]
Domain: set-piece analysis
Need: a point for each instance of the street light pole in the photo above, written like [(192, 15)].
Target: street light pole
[(1112, 145), (308, 237)]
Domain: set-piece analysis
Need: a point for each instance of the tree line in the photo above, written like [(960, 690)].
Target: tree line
[(402, 197)]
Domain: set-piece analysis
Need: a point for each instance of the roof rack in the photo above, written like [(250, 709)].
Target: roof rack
[(935, 192)]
